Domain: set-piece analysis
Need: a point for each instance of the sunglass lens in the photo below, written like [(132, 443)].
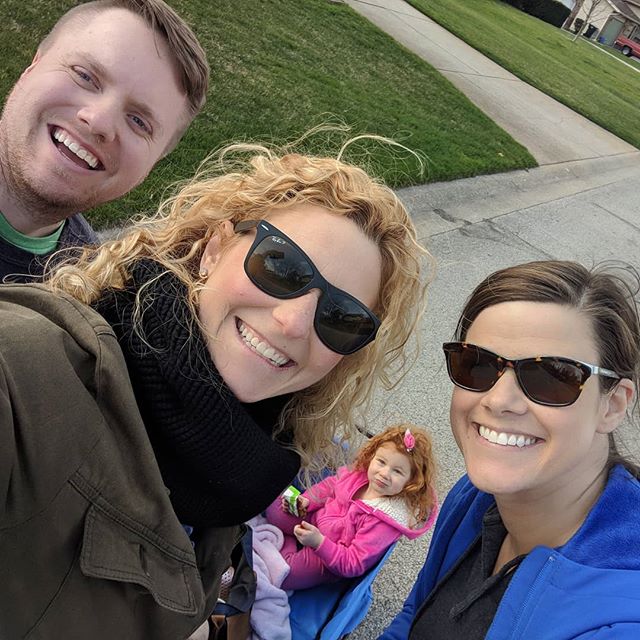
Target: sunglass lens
[(278, 268), (342, 324), (550, 381), (472, 368)]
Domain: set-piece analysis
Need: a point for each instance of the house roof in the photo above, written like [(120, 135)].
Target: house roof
[(635, 8), (626, 10)]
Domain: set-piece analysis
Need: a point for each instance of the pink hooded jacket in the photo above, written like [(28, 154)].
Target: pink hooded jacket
[(356, 535)]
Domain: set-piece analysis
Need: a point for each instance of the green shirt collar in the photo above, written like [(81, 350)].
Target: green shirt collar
[(38, 246)]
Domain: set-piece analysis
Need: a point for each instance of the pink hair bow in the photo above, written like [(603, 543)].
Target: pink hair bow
[(409, 441)]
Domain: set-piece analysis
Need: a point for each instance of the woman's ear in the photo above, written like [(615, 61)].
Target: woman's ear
[(212, 251), (615, 405)]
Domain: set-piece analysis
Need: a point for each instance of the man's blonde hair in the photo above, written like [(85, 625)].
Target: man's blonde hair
[(268, 182)]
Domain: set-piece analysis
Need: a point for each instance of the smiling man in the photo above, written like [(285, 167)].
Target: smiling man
[(110, 91)]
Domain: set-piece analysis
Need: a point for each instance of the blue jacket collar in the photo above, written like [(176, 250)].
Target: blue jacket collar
[(608, 537)]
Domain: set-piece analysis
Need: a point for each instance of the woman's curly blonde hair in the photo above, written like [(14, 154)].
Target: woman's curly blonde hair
[(265, 182), (419, 493)]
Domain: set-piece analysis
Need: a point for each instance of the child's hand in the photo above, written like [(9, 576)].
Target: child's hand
[(308, 535), (303, 503)]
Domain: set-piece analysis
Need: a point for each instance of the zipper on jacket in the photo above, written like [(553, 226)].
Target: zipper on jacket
[(548, 565)]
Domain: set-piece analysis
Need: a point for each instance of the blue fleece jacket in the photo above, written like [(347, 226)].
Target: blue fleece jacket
[(588, 588)]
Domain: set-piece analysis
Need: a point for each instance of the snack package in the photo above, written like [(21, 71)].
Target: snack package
[(291, 496)]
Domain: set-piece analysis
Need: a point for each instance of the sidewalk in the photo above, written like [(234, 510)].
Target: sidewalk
[(550, 131)]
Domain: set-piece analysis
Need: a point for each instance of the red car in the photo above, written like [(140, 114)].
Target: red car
[(629, 46)]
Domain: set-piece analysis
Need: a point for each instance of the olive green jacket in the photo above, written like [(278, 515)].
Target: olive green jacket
[(90, 547)]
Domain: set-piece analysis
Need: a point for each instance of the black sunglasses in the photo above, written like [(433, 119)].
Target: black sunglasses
[(547, 380), (280, 268)]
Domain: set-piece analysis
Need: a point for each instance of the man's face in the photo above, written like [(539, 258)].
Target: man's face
[(93, 113)]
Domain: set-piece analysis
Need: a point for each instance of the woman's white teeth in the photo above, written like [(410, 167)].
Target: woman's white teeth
[(64, 138), (265, 350), (506, 439)]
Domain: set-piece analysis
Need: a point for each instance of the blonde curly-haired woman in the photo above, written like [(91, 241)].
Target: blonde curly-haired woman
[(177, 378)]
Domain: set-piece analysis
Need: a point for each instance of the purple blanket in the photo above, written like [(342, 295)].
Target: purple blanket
[(270, 612)]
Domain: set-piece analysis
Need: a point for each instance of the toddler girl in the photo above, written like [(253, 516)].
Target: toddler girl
[(348, 521)]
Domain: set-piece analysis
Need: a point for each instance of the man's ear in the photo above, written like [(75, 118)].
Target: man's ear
[(34, 62), (616, 403), (212, 251)]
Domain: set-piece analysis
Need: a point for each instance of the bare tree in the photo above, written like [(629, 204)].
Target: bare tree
[(593, 9)]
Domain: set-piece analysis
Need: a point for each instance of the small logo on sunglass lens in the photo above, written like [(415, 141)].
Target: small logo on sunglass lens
[(278, 240)]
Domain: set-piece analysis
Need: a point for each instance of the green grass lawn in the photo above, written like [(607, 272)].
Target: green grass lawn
[(280, 67), (574, 73), (633, 61)]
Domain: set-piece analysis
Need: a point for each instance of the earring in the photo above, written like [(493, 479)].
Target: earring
[(203, 273)]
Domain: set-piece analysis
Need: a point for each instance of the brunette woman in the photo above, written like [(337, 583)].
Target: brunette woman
[(541, 538)]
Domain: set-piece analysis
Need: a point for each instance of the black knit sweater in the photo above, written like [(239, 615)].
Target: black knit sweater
[(216, 455)]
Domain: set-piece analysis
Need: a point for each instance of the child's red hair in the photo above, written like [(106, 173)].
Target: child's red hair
[(419, 492)]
